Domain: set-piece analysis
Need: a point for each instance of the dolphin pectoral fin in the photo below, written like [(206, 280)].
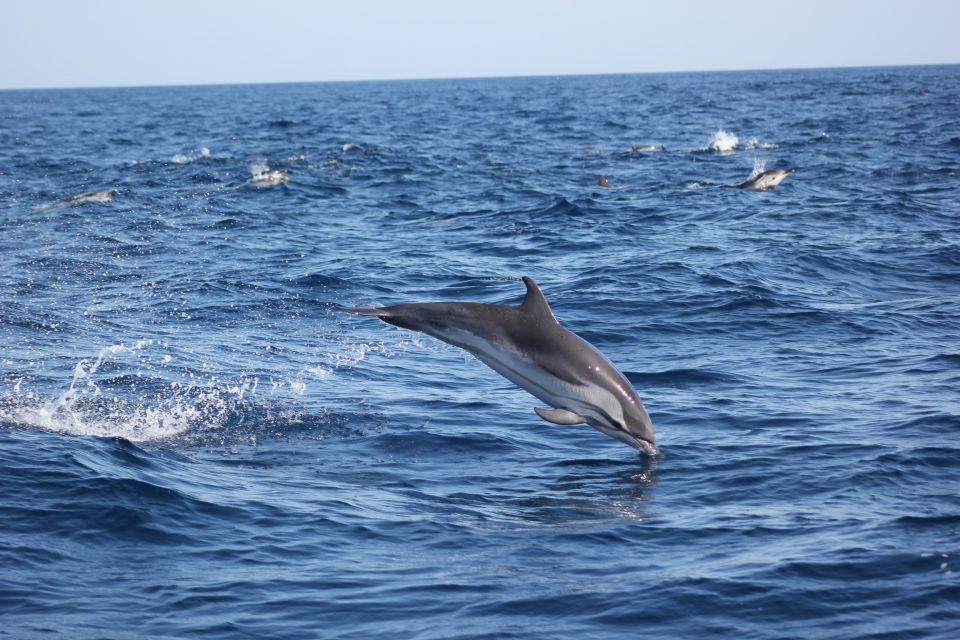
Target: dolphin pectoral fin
[(560, 416)]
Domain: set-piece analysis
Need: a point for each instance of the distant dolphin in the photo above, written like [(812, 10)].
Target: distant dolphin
[(766, 180), (603, 182), (647, 147), (527, 345), (268, 178), (101, 197)]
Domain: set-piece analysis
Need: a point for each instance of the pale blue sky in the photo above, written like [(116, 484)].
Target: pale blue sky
[(49, 43)]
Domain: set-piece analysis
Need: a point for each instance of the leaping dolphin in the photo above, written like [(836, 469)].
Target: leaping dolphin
[(527, 345), (766, 180)]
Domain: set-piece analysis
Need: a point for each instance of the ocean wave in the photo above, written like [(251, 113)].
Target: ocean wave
[(322, 281), (182, 412), (699, 378), (560, 207)]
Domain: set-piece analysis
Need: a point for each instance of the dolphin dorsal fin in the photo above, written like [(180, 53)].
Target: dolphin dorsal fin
[(535, 302)]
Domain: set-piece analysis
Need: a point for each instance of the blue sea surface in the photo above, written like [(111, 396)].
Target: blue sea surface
[(195, 444)]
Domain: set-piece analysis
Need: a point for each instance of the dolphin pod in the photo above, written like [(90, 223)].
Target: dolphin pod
[(527, 345)]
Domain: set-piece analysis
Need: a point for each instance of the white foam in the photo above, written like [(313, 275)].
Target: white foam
[(347, 356), (105, 398), (351, 355), (89, 407), (182, 158), (319, 371), (106, 419), (262, 176), (259, 166), (753, 143), (722, 142), (299, 386)]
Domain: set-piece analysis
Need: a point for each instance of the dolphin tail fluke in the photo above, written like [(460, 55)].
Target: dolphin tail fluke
[(398, 315)]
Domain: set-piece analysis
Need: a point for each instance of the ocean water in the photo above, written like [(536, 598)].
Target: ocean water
[(193, 443)]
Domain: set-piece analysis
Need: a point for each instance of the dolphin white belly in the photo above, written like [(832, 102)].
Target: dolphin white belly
[(583, 400)]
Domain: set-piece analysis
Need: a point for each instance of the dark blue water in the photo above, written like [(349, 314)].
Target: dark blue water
[(193, 443)]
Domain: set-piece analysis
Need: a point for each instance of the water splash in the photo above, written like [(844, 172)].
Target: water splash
[(754, 143), (722, 142), (259, 167), (91, 406), (180, 158), (345, 356), (263, 176), (823, 137)]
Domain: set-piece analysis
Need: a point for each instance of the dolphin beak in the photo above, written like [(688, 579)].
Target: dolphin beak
[(645, 439), (648, 447)]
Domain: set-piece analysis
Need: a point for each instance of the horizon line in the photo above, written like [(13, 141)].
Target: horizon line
[(476, 77)]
